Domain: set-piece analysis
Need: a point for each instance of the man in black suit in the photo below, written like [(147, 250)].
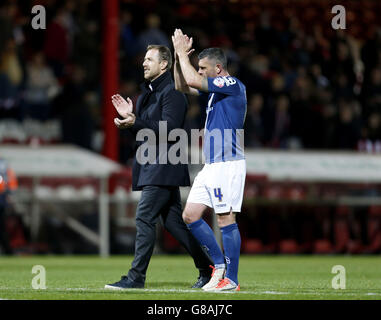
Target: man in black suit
[(159, 183)]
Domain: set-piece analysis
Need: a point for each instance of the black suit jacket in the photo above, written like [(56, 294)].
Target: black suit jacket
[(159, 101)]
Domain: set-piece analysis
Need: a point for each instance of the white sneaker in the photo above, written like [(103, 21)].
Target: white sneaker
[(217, 276), (226, 285)]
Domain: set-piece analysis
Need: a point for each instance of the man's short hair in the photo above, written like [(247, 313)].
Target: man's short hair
[(215, 54), (164, 54)]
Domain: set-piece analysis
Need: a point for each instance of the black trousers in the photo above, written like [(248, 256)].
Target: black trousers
[(164, 202)]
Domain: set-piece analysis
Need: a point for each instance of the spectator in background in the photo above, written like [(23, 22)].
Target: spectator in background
[(69, 8), (342, 87), (57, 43), (11, 76), (329, 119), (300, 112), (87, 49), (277, 85), (290, 74), (72, 108), (152, 34), (7, 94), (320, 81), (265, 33), (130, 60), (6, 23), (349, 127), (254, 123), (373, 92), (253, 71), (281, 127), (342, 61), (373, 128), (41, 88), (371, 53), (11, 65), (127, 34)]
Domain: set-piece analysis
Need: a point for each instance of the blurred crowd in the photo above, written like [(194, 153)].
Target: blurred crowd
[(308, 86)]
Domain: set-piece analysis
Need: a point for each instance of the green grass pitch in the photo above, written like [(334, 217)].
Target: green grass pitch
[(169, 277)]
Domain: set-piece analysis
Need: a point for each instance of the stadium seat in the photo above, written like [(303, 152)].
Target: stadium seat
[(16, 232), (355, 246), (295, 193), (251, 191), (374, 230), (66, 192), (273, 192), (44, 192), (87, 192), (252, 246), (253, 185), (375, 211), (323, 246), (289, 246), (122, 178), (169, 243), (341, 229), (342, 211)]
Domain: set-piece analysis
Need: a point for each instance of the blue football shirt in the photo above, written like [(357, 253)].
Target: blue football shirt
[(225, 117)]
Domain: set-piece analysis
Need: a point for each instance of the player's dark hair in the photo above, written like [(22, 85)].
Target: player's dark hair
[(164, 53), (215, 54)]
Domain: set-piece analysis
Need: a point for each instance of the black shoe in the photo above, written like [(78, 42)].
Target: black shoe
[(124, 283), (201, 281)]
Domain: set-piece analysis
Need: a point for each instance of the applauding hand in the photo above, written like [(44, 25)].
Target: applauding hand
[(124, 109)]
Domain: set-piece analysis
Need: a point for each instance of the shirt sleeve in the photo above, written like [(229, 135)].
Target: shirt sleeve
[(225, 85)]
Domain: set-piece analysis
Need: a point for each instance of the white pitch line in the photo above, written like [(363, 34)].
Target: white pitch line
[(275, 292), (257, 292), (153, 290), (226, 292), (176, 291), (167, 290)]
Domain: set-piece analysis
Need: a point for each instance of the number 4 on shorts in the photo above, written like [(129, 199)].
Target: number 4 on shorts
[(218, 194)]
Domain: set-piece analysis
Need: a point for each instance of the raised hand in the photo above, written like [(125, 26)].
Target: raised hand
[(182, 43), (123, 107)]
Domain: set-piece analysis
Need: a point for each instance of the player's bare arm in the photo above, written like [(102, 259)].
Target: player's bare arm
[(192, 78), (180, 83)]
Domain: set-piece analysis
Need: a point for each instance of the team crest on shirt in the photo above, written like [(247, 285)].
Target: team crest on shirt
[(219, 82)]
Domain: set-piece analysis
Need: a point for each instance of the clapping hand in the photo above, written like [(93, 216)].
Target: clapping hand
[(182, 43), (124, 109)]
